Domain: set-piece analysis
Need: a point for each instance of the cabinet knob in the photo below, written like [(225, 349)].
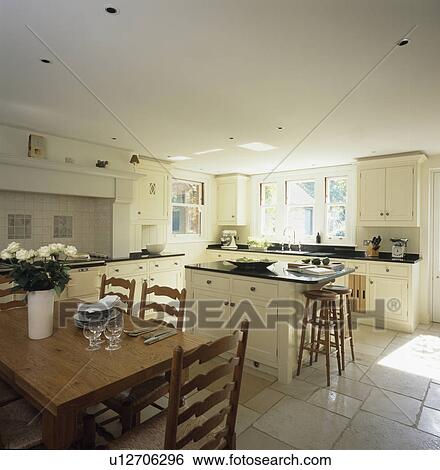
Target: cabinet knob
[(139, 212), (176, 263), (151, 278), (226, 303), (371, 282), (381, 213), (156, 265), (141, 267), (117, 270), (208, 281), (387, 213), (387, 270), (253, 289), (356, 267), (232, 304), (233, 216)]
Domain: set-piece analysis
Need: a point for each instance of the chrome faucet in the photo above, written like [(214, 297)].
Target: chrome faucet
[(289, 244)]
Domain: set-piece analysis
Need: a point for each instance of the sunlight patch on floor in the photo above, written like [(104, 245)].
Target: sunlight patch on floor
[(420, 356)]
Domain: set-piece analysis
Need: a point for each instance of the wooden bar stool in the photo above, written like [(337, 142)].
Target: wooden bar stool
[(322, 318), (344, 315)]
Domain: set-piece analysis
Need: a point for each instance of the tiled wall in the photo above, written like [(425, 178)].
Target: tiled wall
[(91, 220)]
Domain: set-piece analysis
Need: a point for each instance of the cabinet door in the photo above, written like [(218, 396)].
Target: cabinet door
[(206, 316), (390, 296), (372, 195), (171, 279), (399, 193), (152, 197), (226, 203), (263, 336)]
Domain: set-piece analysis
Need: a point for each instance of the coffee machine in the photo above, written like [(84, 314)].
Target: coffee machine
[(399, 247), (228, 239)]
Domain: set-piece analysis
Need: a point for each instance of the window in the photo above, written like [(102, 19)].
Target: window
[(336, 206), (300, 202), (187, 207), (268, 203)]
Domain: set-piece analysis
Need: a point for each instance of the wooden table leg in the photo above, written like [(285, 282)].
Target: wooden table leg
[(59, 430)]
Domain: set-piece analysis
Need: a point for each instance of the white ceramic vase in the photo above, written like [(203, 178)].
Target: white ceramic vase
[(40, 313)]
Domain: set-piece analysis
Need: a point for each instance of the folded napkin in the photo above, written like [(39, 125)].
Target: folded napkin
[(104, 308)]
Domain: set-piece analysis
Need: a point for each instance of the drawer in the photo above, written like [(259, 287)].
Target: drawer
[(359, 266), (207, 280), (249, 287), (166, 264), (389, 269), (127, 269)]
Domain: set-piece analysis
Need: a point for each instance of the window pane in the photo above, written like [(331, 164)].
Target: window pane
[(336, 221), (186, 220), (300, 192), (268, 194), (187, 192), (336, 190), (269, 221), (301, 219)]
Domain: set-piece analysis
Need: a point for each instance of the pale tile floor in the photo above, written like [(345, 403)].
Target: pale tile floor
[(388, 399)]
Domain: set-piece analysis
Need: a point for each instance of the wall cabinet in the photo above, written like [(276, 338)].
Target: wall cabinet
[(151, 198), (389, 191), (232, 200)]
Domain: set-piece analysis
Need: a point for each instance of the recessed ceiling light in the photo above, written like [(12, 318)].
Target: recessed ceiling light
[(46, 61), (257, 146), (113, 138), (231, 138), (112, 10), (404, 42), (178, 158), (207, 151), (280, 128)]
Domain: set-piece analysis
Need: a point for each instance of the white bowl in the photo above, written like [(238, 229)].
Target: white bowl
[(156, 248)]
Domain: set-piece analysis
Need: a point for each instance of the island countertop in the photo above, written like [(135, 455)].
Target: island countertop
[(276, 272)]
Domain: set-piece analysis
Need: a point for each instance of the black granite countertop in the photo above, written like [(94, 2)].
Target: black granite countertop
[(276, 272), (324, 251), (93, 262)]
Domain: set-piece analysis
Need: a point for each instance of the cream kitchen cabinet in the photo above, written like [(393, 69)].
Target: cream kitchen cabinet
[(232, 200), (388, 299), (389, 191), (84, 283), (151, 198)]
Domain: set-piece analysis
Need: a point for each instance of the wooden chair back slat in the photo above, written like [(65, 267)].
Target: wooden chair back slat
[(204, 380), (206, 352), (200, 407), (9, 292), (226, 417), (127, 298), (201, 431), (164, 291)]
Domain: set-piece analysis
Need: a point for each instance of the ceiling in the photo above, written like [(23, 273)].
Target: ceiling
[(185, 76)]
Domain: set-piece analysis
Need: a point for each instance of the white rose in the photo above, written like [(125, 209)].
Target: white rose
[(22, 255), (32, 254), (44, 252), (5, 254), (13, 247), (70, 251)]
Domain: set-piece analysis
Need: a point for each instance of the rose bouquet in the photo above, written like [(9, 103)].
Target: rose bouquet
[(39, 270)]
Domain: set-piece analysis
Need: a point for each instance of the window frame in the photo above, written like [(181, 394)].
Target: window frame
[(288, 205), (264, 206), (188, 236), (328, 204)]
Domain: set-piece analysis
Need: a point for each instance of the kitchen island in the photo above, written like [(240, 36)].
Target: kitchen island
[(271, 298)]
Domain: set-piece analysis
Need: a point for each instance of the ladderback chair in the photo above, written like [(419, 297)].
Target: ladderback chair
[(6, 290), (129, 404), (205, 424), (129, 286), (176, 296)]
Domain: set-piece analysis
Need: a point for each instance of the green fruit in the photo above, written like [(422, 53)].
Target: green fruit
[(326, 261), (306, 260), (316, 261)]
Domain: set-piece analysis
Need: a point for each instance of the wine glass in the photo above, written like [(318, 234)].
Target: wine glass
[(90, 333), (113, 331)]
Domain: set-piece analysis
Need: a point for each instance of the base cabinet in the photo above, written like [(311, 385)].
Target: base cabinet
[(388, 299)]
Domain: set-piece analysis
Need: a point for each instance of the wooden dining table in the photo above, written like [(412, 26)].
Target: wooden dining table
[(61, 378)]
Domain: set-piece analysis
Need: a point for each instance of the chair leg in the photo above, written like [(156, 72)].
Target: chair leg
[(303, 337), (341, 321), (350, 327), (326, 322), (318, 338)]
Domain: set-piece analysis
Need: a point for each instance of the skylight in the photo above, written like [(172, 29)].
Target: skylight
[(207, 151)]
